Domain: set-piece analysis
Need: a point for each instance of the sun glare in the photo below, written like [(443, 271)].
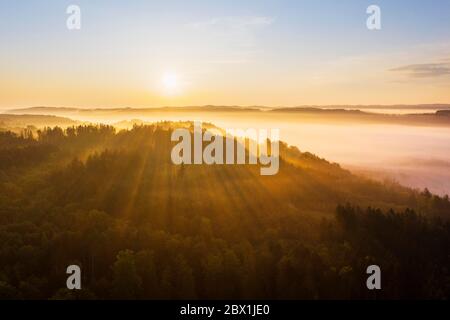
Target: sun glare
[(170, 82)]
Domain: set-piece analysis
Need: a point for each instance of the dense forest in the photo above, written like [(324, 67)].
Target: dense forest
[(141, 227)]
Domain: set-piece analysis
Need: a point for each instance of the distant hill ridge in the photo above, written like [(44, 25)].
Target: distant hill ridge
[(301, 108), (212, 113)]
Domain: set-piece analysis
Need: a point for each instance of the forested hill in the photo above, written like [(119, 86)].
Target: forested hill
[(13, 122), (142, 227)]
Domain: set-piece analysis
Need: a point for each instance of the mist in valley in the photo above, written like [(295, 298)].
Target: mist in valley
[(412, 149)]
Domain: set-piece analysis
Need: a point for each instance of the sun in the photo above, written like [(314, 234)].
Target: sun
[(170, 82)]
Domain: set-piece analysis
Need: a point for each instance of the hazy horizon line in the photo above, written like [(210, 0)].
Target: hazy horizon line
[(380, 106)]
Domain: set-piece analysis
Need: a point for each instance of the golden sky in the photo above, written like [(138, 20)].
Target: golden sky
[(174, 54)]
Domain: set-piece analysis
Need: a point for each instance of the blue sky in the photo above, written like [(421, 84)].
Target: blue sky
[(224, 52)]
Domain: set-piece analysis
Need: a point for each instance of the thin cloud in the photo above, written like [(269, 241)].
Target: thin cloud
[(258, 21), (425, 70), (235, 22), (229, 61), (236, 38)]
